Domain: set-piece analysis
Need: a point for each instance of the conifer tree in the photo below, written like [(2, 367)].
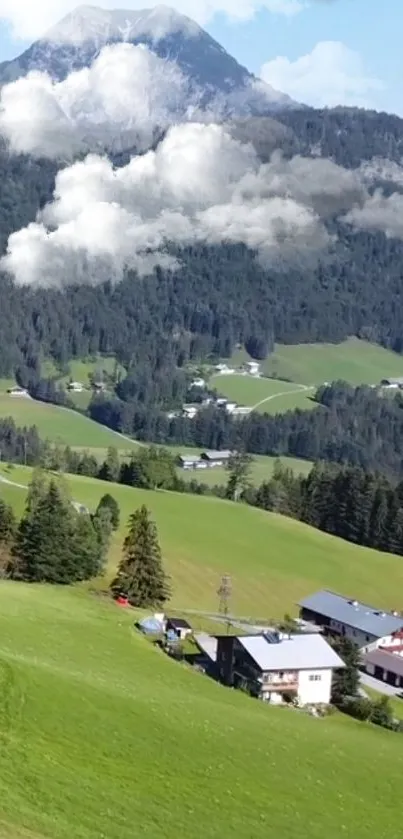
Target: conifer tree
[(141, 576), (109, 503)]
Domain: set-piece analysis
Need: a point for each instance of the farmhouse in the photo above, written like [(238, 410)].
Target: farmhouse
[(279, 668), (190, 411), (18, 392), (179, 626), (75, 387), (386, 666), (396, 383), (253, 368), (191, 461), (213, 458), (363, 624), (198, 383)]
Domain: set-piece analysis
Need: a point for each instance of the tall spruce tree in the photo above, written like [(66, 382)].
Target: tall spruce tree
[(141, 576)]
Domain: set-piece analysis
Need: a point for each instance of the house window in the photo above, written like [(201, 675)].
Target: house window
[(315, 677)]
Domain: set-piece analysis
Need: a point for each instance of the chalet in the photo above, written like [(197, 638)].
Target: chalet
[(190, 411), (213, 458), (393, 383), (179, 626), (198, 383), (385, 666), (253, 368), (279, 668), (337, 615), (75, 387), (230, 407), (18, 392), (191, 461)]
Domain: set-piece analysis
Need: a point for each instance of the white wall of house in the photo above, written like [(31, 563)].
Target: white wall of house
[(314, 687)]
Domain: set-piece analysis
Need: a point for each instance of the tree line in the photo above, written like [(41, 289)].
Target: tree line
[(54, 542), (353, 425)]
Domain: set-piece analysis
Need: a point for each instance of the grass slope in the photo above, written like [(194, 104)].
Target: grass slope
[(60, 425), (261, 470), (264, 395), (355, 361), (273, 561), (103, 736)]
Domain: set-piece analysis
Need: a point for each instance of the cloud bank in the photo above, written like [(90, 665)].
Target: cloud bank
[(331, 75), (120, 101), (200, 185)]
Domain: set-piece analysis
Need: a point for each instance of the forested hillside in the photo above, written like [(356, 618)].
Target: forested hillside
[(220, 295)]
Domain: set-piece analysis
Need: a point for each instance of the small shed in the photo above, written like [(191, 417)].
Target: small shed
[(179, 626)]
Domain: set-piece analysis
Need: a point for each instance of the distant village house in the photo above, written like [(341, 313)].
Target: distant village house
[(19, 392)]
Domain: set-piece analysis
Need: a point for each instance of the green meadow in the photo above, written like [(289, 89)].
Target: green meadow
[(269, 396), (104, 736), (60, 425), (273, 561), (355, 361)]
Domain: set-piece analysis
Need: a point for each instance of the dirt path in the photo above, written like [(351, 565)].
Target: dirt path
[(297, 389)]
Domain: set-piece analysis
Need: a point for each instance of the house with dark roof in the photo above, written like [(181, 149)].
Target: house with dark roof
[(213, 458), (279, 668), (385, 666), (337, 615), (179, 626)]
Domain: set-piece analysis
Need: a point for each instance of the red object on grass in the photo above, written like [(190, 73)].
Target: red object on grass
[(122, 601)]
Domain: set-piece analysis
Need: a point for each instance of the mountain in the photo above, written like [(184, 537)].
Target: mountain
[(77, 39)]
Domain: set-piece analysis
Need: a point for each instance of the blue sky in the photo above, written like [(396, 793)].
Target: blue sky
[(330, 52)]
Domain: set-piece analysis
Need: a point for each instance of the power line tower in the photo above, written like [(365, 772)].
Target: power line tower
[(224, 592)]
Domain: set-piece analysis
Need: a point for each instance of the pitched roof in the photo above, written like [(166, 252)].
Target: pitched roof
[(388, 661), (212, 455), (298, 652), (178, 623), (352, 613)]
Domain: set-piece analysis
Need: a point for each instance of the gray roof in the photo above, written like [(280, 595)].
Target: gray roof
[(389, 661), (189, 458), (352, 613), (211, 455), (298, 652)]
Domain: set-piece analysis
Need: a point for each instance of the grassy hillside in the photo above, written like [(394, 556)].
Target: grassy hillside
[(264, 395), (261, 469), (101, 735), (60, 425), (355, 361), (273, 561)]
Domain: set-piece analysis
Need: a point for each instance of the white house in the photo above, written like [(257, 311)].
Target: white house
[(76, 387), (253, 368), (230, 407), (198, 383), (190, 411), (279, 668), (365, 625), (18, 392)]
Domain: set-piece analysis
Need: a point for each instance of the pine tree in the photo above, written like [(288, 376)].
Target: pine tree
[(239, 467), (109, 503), (141, 576)]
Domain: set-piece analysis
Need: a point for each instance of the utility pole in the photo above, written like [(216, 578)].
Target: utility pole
[(224, 592)]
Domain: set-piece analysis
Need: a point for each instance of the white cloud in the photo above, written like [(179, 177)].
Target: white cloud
[(118, 102), (331, 75), (199, 185), (379, 213), (30, 20)]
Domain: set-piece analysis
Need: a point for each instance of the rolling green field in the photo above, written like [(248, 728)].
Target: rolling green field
[(104, 736), (59, 425), (273, 560), (355, 361), (264, 395)]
